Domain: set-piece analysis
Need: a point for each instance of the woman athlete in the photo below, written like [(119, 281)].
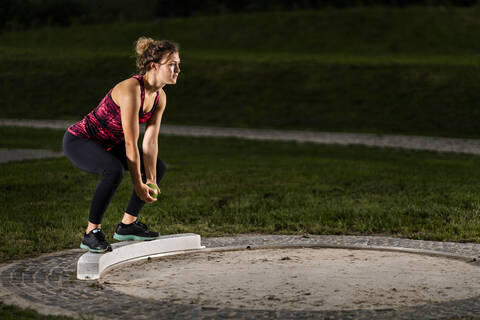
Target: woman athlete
[(105, 141)]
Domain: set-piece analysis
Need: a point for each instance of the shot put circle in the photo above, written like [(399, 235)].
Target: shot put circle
[(48, 283), (312, 279)]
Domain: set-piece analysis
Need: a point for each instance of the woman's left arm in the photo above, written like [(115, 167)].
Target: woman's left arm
[(150, 140)]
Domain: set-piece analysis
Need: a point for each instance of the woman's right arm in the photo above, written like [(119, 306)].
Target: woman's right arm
[(127, 96)]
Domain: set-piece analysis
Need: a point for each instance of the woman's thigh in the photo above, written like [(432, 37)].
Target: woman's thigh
[(88, 155), (120, 153)]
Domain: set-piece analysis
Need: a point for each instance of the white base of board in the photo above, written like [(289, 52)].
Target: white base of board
[(91, 266)]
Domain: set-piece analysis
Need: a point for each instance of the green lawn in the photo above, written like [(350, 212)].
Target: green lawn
[(380, 70), (15, 313), (358, 31), (228, 186)]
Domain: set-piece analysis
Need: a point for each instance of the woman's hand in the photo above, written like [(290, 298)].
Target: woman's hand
[(153, 185), (143, 192)]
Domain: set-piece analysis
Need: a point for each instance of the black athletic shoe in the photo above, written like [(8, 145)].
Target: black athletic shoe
[(95, 242), (134, 231)]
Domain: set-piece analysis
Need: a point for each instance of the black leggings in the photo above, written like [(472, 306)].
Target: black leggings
[(111, 165)]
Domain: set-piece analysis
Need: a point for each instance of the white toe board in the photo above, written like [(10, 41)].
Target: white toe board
[(91, 265)]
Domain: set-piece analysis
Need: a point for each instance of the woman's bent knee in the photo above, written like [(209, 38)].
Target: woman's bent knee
[(113, 174), (161, 168)]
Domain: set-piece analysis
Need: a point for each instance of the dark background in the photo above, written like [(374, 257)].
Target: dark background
[(24, 14), (386, 67)]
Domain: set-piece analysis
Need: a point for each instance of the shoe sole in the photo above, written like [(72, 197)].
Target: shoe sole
[(121, 237), (85, 247)]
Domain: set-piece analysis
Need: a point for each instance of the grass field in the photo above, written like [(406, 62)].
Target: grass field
[(406, 71), (15, 313), (225, 186)]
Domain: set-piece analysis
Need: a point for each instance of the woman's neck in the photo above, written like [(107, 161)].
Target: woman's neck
[(150, 85)]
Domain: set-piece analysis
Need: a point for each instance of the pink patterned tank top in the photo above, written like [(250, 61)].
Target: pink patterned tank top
[(104, 123)]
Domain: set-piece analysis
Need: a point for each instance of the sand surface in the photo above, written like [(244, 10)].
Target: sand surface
[(299, 279)]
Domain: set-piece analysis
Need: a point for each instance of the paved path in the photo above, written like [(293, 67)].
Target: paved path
[(48, 284), (468, 146), (8, 155)]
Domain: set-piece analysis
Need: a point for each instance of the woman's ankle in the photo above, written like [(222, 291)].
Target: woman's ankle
[(128, 218), (92, 226)]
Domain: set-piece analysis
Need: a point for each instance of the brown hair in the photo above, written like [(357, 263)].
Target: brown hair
[(149, 50)]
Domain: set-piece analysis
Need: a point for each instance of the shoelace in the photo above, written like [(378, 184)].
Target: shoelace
[(142, 225), (99, 235)]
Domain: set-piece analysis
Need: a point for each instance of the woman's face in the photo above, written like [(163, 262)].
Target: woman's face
[(169, 69)]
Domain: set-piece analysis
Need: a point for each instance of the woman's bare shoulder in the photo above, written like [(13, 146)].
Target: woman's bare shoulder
[(162, 99), (162, 94), (127, 85), (125, 89)]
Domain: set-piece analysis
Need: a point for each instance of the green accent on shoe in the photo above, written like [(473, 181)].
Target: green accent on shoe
[(121, 237), (83, 246)]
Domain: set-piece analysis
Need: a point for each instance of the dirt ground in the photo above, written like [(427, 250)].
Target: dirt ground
[(299, 279)]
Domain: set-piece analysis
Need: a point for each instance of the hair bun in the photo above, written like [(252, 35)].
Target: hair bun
[(142, 45)]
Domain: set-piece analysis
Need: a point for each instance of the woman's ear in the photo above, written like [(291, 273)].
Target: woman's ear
[(153, 66)]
